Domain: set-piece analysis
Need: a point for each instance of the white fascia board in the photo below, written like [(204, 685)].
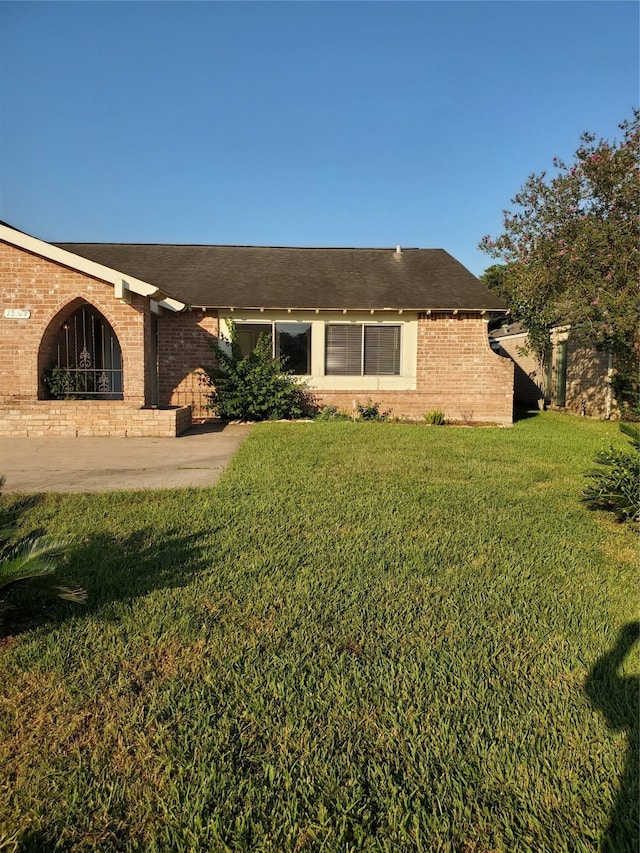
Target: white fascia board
[(168, 304), (76, 262), (172, 304), (351, 310)]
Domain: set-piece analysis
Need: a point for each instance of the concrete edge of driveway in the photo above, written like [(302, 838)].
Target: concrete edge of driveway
[(195, 459)]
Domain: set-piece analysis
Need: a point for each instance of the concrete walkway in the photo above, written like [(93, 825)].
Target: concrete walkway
[(108, 464)]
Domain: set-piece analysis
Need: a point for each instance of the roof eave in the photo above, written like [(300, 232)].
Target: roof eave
[(77, 262), (351, 309)]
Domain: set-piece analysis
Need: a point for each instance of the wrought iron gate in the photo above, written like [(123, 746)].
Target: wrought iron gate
[(88, 359)]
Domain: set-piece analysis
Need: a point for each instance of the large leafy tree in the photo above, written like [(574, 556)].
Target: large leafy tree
[(570, 250)]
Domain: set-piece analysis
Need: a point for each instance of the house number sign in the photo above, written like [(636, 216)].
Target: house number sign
[(17, 313)]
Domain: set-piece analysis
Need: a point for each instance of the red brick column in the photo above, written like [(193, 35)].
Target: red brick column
[(184, 348)]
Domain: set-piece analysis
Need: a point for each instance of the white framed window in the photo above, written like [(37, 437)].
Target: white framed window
[(290, 341), (360, 349)]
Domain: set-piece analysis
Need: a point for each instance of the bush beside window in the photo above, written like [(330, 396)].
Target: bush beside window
[(291, 342), (257, 386)]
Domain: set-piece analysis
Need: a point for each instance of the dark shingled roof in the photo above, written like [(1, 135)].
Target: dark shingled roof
[(267, 277)]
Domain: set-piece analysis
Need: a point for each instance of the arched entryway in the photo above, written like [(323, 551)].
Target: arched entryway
[(83, 358)]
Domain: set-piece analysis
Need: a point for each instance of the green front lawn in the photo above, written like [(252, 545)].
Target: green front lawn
[(366, 637)]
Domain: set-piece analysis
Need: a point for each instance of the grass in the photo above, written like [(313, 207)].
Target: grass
[(367, 637)]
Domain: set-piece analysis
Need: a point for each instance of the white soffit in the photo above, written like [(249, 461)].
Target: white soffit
[(76, 262)]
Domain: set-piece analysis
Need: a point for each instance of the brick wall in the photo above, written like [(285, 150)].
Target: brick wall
[(529, 379), (457, 373), (184, 348), (456, 361), (587, 378), (73, 418), (52, 292)]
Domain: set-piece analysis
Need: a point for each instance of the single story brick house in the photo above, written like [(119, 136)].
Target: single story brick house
[(575, 377), (124, 330)]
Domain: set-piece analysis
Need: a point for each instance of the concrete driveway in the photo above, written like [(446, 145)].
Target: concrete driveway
[(108, 464)]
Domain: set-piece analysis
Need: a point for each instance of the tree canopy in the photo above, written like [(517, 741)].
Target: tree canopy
[(570, 248)]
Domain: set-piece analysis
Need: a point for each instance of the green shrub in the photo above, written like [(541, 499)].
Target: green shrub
[(615, 485), (371, 412), (436, 418), (256, 387), (63, 384)]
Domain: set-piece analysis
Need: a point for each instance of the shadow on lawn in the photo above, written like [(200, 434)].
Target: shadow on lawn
[(618, 698), (111, 569), (522, 413)]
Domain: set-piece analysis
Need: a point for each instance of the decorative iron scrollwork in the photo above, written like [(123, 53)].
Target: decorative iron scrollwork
[(88, 358)]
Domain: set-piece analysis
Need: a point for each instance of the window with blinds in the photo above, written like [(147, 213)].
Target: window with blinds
[(381, 350), (357, 350)]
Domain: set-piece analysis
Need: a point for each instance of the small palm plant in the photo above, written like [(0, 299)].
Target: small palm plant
[(616, 485), (31, 558)]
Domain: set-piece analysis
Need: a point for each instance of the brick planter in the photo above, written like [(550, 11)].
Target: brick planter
[(73, 418)]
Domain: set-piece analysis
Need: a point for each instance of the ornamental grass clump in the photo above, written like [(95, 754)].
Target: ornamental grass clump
[(615, 486), (435, 418)]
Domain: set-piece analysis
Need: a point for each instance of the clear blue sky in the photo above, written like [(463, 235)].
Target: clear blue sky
[(299, 123)]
